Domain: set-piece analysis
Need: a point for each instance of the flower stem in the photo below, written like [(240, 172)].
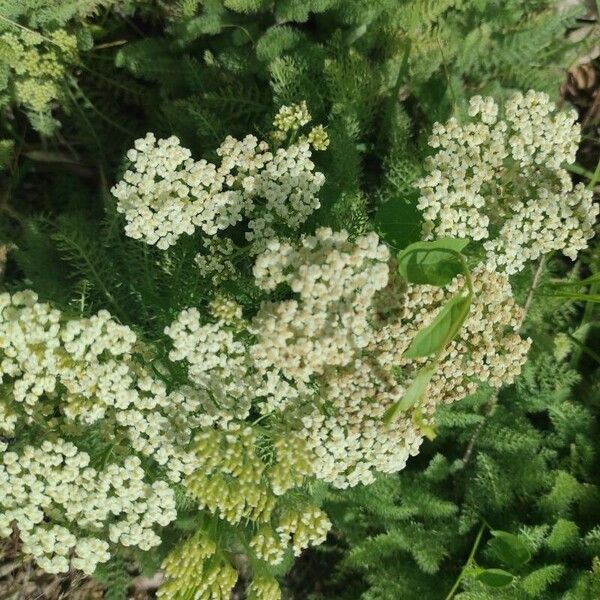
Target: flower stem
[(469, 562)]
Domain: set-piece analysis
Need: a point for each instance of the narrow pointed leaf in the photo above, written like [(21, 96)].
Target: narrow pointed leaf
[(413, 394), (442, 330)]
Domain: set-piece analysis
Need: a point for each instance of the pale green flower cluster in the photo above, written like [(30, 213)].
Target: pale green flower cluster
[(264, 588), (306, 526), (36, 68), (290, 119), (195, 569)]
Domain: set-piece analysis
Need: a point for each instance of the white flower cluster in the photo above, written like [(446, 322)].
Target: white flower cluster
[(216, 364), (486, 349), (501, 180), (88, 364), (56, 481), (335, 280), (166, 193), (226, 310), (322, 338), (219, 365)]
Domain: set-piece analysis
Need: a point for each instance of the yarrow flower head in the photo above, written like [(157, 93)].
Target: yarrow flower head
[(500, 179), (327, 364), (166, 193), (321, 367), (195, 570), (56, 479), (62, 376), (291, 117)]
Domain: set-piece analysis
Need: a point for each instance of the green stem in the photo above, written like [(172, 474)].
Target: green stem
[(467, 274), (85, 120), (104, 117), (535, 283), (595, 178), (447, 73), (15, 24), (235, 26), (583, 348), (468, 564), (97, 277)]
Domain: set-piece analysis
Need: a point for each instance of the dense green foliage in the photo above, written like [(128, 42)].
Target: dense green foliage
[(377, 75)]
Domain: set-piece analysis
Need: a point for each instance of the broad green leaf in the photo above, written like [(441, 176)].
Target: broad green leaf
[(413, 395), (509, 548), (399, 223), (495, 577), (433, 263), (442, 330)]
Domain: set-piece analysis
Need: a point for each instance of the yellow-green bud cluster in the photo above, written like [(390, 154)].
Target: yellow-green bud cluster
[(38, 65), (268, 545), (228, 479), (302, 526), (308, 526), (225, 309), (290, 118), (292, 465), (194, 570), (264, 588), (318, 138)]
